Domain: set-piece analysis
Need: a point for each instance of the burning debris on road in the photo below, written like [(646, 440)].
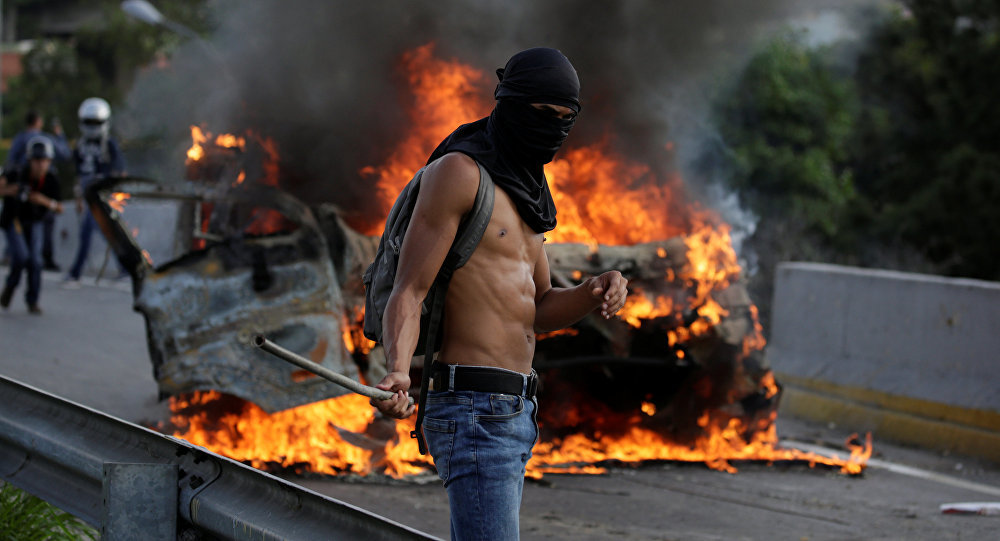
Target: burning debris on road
[(680, 375)]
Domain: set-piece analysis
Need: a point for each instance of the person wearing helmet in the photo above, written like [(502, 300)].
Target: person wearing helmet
[(97, 157), (29, 192), (18, 156)]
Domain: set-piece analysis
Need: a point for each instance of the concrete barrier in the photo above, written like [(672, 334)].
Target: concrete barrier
[(913, 358)]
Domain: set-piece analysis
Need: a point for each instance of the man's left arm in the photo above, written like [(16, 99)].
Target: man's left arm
[(559, 307)]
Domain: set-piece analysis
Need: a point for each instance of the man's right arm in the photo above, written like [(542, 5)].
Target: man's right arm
[(447, 192)]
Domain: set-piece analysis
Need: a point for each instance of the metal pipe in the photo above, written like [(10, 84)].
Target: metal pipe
[(263, 343)]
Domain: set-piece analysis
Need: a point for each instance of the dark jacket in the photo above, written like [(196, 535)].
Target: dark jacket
[(97, 159), (18, 205)]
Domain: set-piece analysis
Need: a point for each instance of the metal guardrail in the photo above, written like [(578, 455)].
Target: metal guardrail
[(103, 470)]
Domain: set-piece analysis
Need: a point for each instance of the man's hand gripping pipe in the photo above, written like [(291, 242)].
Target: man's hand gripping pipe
[(263, 343)]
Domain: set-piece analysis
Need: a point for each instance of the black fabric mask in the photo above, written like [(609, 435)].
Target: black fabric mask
[(517, 140), (532, 134)]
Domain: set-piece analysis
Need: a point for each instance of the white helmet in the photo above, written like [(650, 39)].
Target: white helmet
[(95, 116)]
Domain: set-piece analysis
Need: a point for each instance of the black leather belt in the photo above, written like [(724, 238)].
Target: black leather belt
[(483, 379)]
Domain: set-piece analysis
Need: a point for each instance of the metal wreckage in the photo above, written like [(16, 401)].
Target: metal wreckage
[(247, 258)]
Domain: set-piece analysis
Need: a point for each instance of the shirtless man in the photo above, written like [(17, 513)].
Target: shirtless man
[(480, 420)]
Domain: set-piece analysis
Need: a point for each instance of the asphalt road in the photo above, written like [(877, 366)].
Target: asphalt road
[(89, 346)]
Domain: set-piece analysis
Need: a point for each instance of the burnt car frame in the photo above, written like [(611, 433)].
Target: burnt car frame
[(202, 307), (300, 285)]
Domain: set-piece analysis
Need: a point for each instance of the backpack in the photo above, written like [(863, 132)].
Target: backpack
[(380, 276)]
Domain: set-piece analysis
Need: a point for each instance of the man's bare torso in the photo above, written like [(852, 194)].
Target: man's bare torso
[(490, 307), (496, 302)]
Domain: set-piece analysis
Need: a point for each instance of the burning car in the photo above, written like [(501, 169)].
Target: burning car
[(680, 375), (258, 260)]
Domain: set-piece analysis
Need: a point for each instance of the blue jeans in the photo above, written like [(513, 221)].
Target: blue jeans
[(480, 443), (86, 232), (25, 253)]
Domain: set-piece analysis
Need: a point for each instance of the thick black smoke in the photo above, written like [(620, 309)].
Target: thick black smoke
[(321, 77)]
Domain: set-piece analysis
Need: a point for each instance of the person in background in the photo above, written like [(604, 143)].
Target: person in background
[(97, 157), (29, 192), (17, 157)]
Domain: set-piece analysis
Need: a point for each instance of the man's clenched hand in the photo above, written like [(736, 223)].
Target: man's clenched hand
[(610, 289), (399, 405)]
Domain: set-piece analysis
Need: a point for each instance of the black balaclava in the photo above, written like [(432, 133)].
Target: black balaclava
[(517, 140)]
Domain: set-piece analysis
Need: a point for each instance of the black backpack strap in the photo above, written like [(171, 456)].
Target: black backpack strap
[(472, 229), (470, 232), (433, 324)]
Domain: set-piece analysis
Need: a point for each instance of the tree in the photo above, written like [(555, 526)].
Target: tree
[(99, 60), (926, 155), (785, 122)]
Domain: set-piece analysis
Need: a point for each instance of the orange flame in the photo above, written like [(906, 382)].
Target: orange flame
[(118, 200), (602, 197), (228, 140), (353, 332), (725, 443), (198, 138), (329, 437), (649, 408), (325, 438), (272, 160), (640, 307), (445, 95)]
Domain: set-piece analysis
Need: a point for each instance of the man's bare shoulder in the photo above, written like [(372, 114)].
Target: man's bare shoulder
[(455, 163), (451, 181)]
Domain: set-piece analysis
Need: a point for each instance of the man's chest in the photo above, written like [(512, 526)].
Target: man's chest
[(507, 236), (90, 157)]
